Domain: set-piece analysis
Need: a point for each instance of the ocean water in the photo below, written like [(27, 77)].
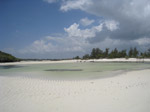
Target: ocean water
[(71, 71)]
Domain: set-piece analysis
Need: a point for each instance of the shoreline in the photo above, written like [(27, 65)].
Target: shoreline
[(77, 61)]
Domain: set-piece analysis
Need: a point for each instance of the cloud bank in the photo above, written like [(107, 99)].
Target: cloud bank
[(133, 15)]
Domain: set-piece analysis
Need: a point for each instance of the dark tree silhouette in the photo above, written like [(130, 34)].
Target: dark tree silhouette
[(5, 57), (97, 53), (130, 52), (135, 52), (86, 56), (77, 57)]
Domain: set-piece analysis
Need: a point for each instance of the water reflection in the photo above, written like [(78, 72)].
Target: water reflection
[(10, 66), (63, 70)]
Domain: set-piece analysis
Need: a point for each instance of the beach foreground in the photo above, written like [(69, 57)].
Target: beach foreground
[(128, 92)]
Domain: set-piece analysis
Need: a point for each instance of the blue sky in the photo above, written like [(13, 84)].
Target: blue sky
[(66, 28), (22, 21)]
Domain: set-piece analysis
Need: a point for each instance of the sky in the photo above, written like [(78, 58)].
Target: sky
[(66, 28)]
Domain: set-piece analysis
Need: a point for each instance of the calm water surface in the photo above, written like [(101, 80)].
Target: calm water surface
[(70, 71)]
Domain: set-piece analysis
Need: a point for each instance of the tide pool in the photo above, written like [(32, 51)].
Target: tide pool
[(70, 71)]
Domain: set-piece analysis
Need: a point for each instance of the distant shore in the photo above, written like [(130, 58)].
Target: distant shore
[(78, 60)]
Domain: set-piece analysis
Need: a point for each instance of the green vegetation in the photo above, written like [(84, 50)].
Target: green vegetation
[(5, 57), (97, 53), (77, 57)]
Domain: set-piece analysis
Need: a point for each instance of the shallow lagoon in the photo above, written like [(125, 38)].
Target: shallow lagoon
[(71, 71)]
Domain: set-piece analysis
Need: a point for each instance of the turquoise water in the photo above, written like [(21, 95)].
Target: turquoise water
[(68, 71)]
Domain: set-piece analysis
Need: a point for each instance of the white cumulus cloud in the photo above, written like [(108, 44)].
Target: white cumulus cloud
[(111, 25), (74, 4), (75, 31), (50, 1), (86, 21)]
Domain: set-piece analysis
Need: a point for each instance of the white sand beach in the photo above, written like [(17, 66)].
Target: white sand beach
[(79, 60), (128, 92)]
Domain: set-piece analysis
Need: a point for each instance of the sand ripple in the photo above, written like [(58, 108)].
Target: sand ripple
[(125, 93)]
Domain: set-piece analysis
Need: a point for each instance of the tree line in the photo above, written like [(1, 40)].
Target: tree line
[(97, 53)]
